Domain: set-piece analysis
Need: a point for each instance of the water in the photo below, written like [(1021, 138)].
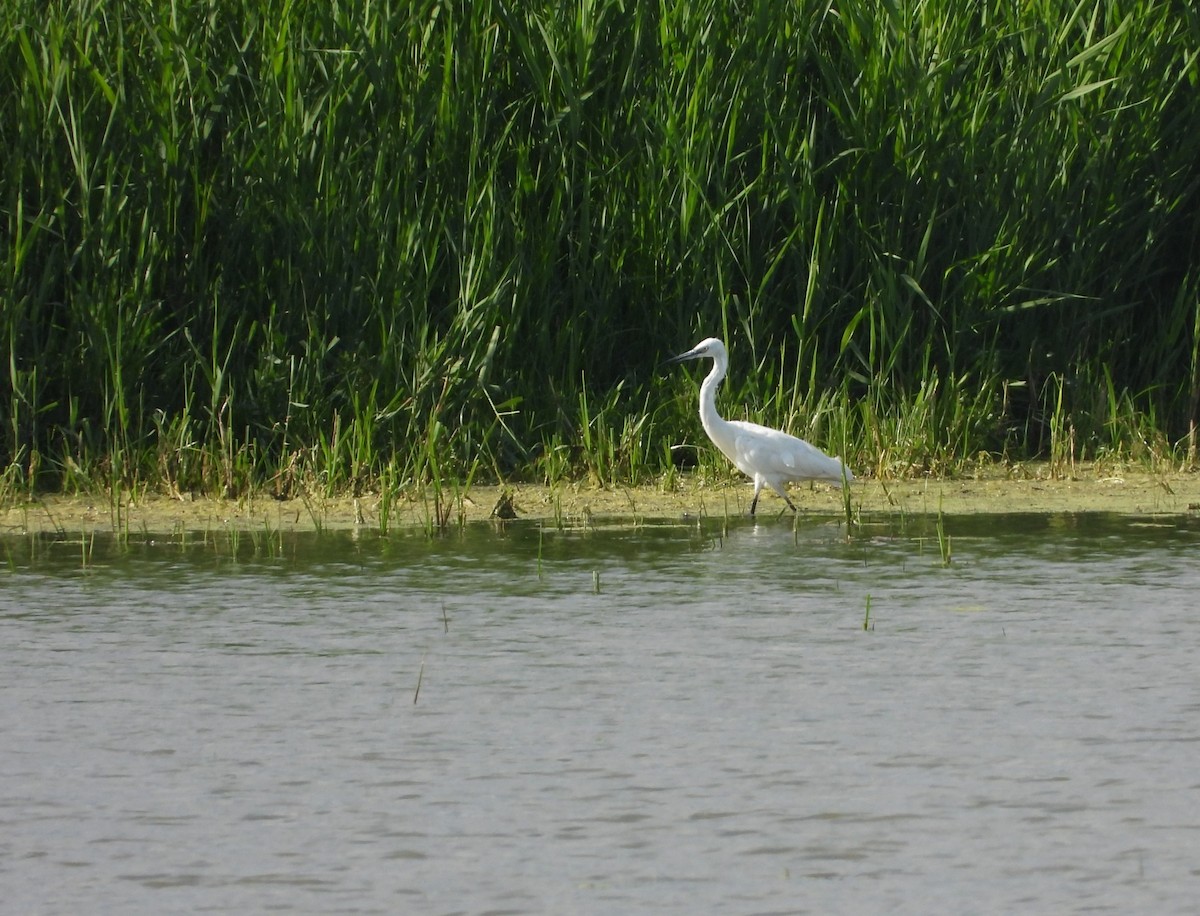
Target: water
[(221, 725)]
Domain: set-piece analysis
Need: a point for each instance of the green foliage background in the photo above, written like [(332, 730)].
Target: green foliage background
[(257, 241)]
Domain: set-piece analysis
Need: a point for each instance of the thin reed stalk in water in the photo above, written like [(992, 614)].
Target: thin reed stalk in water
[(420, 677), (944, 545), (541, 531)]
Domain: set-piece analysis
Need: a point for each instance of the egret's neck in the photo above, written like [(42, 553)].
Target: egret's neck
[(709, 418)]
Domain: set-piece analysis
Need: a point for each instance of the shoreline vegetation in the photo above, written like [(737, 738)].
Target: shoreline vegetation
[(1026, 489), (310, 252)]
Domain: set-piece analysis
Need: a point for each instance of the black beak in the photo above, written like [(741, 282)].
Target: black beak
[(682, 357)]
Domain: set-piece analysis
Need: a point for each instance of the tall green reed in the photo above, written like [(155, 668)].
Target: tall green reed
[(279, 244)]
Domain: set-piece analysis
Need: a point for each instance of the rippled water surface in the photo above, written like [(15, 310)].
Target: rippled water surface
[(679, 717)]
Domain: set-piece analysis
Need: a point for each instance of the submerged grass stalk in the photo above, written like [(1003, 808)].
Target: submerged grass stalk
[(944, 545), (541, 532), (420, 677)]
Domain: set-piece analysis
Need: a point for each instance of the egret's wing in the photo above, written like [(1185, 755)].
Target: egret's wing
[(779, 456), (745, 451)]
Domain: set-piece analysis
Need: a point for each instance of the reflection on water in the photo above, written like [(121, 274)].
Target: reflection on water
[(668, 717)]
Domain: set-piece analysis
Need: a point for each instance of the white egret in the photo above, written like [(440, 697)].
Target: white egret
[(770, 456)]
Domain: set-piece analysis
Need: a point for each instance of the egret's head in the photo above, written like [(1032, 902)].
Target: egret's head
[(710, 347)]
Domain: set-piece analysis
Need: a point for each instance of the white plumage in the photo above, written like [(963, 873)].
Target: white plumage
[(770, 456)]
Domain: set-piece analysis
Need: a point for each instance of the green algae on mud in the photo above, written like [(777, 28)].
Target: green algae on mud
[(992, 491)]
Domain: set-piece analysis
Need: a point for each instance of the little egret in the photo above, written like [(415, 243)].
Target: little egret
[(770, 456)]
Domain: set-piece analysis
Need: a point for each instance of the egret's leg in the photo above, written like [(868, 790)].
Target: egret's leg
[(782, 491), (758, 485)]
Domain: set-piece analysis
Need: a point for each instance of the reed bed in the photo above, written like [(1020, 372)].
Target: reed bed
[(323, 248)]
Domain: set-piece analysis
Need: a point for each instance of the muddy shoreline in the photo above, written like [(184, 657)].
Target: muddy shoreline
[(1034, 489)]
